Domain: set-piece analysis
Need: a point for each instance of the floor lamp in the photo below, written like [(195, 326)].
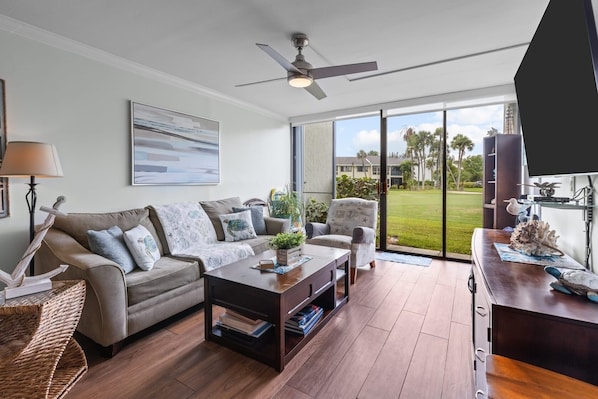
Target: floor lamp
[(30, 159)]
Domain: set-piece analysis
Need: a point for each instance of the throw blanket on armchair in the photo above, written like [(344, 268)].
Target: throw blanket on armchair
[(189, 233)]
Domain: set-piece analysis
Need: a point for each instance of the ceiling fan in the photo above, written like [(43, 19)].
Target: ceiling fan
[(302, 74)]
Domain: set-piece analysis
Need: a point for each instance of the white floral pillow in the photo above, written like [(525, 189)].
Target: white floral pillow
[(142, 246), (237, 226)]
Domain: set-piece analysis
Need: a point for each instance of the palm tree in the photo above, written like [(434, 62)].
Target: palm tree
[(363, 156), (461, 143), (410, 150)]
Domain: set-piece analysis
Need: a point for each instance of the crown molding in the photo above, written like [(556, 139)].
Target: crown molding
[(36, 34)]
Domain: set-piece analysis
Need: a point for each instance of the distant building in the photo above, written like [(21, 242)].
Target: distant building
[(370, 167)]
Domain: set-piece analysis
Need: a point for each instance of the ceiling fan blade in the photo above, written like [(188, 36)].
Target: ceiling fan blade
[(260, 81), (316, 91), (278, 58), (337, 70)]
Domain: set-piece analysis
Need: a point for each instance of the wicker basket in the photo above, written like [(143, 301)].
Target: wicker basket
[(38, 356)]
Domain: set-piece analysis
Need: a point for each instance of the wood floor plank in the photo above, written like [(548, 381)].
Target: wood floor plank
[(375, 293), (386, 377), (458, 374), (355, 365), (439, 313), (426, 372), (421, 294), (390, 309)]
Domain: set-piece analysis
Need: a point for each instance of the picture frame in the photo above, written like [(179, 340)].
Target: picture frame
[(172, 148), (4, 208)]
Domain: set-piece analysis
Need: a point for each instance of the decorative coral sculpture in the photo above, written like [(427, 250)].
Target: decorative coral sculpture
[(534, 237)]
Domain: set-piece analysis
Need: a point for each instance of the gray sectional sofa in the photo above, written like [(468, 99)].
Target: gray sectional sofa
[(120, 303)]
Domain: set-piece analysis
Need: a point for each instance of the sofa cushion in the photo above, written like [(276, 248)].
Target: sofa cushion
[(142, 246), (167, 274), (257, 218), (220, 207), (110, 244), (77, 224), (237, 226)]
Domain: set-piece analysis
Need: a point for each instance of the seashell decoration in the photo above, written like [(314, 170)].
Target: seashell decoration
[(534, 237)]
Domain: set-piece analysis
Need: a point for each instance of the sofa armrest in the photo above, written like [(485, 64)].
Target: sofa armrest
[(363, 235), (276, 225), (104, 317), (314, 229)]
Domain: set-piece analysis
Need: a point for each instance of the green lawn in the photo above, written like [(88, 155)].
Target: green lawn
[(415, 217)]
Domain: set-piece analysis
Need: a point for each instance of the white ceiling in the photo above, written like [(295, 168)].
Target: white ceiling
[(211, 43)]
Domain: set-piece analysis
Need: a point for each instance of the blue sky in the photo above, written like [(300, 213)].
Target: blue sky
[(364, 133)]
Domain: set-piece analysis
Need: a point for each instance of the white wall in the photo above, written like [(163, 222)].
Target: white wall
[(82, 106)]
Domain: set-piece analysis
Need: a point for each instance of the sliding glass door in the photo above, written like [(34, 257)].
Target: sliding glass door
[(427, 167)]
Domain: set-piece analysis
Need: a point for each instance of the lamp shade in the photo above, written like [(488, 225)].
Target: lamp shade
[(28, 158)]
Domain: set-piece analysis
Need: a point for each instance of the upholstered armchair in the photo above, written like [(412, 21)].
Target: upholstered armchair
[(350, 224)]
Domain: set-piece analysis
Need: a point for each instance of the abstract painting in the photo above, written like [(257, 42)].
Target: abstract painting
[(173, 148)]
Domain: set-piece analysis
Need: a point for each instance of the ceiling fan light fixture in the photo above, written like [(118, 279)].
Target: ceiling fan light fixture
[(300, 81)]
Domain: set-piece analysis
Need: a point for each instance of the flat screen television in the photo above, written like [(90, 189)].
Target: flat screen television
[(557, 93)]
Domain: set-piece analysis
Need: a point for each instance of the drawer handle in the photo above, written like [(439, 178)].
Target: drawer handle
[(482, 357), (480, 394), (481, 311), (323, 288)]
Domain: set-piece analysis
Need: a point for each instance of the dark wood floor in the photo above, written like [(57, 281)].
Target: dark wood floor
[(405, 333)]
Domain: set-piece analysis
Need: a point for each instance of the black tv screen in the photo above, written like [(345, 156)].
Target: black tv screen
[(557, 92)]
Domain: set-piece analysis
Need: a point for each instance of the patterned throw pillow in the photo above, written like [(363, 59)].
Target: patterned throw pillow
[(110, 244), (237, 226), (143, 247)]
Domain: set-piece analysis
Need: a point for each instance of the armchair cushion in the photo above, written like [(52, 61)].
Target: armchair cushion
[(332, 240)]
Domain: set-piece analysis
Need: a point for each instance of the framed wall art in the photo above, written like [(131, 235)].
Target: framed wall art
[(173, 148), (3, 180)]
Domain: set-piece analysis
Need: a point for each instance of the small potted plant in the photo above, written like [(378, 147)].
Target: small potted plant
[(287, 246)]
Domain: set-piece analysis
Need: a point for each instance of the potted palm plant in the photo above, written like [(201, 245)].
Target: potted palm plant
[(288, 246), (287, 205)]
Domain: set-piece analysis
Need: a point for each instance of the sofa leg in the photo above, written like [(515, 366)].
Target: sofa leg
[(373, 264), (353, 274), (111, 350)]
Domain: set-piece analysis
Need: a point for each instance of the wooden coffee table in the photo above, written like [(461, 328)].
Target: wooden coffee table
[(275, 298)]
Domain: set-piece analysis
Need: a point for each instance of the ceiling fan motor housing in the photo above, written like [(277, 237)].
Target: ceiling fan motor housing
[(300, 40)]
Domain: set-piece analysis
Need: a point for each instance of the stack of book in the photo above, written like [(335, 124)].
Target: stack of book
[(304, 320), (235, 322)]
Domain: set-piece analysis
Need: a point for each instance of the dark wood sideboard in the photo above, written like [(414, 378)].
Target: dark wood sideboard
[(518, 315)]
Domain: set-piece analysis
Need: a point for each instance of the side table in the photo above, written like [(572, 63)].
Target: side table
[(39, 358)]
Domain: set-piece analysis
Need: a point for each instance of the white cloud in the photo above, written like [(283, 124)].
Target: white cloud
[(367, 140)]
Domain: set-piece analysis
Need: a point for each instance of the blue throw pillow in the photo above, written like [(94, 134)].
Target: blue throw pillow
[(257, 218), (110, 244)]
